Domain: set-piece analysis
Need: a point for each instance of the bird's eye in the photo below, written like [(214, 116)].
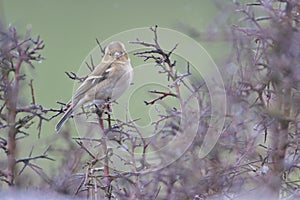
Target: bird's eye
[(110, 54)]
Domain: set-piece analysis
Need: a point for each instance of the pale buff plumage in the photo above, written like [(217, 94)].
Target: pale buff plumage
[(107, 81)]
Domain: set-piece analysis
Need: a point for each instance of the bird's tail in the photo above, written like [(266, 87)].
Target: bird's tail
[(64, 118)]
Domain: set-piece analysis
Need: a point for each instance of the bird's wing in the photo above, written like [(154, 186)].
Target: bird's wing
[(99, 74)]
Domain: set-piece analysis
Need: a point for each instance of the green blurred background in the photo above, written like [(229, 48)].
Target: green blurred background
[(69, 29)]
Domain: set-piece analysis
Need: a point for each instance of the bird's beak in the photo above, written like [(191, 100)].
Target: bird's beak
[(117, 54)]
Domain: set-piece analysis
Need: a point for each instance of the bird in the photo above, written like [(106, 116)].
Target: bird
[(108, 80)]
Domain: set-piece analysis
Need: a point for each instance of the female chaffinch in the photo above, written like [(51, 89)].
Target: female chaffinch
[(107, 81)]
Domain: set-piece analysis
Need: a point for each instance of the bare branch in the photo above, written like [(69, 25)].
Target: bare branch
[(163, 95)]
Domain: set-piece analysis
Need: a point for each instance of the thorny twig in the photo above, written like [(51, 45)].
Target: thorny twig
[(163, 59), (15, 53), (102, 50), (163, 95), (74, 76), (27, 160)]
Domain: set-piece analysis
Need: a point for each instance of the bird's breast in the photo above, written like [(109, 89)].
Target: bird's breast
[(123, 81)]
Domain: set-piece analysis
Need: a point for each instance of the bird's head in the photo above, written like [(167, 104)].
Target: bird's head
[(115, 51)]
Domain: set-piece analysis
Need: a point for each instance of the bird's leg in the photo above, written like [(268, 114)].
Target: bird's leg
[(104, 108), (99, 112), (107, 112)]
